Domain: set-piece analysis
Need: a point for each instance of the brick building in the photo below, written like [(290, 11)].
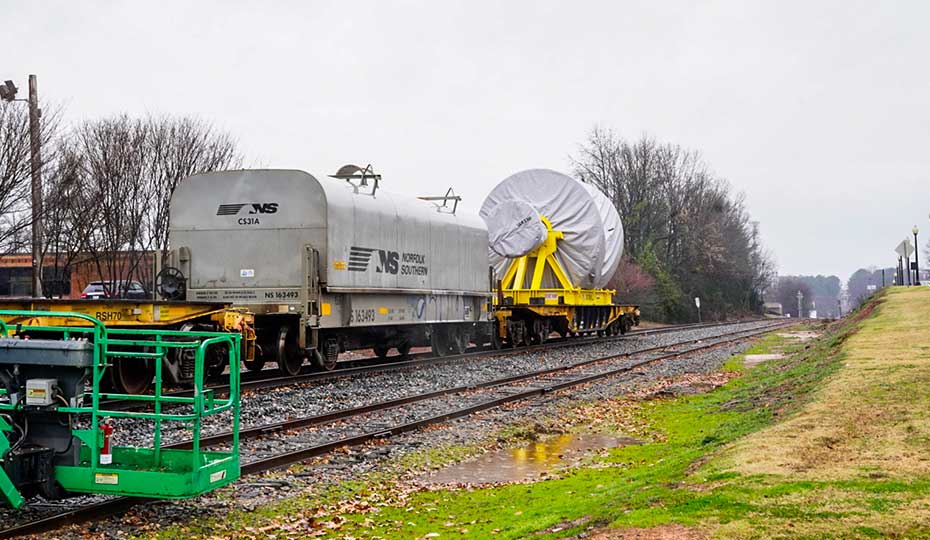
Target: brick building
[(63, 281)]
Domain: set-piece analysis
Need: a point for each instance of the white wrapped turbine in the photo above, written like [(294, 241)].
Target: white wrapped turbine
[(593, 234)]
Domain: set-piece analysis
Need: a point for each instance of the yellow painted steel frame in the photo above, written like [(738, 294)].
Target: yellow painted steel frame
[(563, 301), (123, 313), (138, 314), (569, 313), (543, 257)]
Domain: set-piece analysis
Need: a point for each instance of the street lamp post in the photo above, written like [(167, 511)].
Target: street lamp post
[(8, 93), (800, 297), (916, 250)]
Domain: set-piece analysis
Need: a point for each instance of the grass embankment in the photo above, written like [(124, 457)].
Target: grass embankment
[(830, 442)]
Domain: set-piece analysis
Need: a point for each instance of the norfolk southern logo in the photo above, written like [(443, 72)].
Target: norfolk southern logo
[(254, 209), (387, 262), (359, 258)]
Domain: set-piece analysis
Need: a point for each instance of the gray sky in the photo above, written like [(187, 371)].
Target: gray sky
[(818, 111)]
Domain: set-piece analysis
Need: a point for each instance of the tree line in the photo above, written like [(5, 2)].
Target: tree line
[(107, 184), (820, 294), (686, 233)]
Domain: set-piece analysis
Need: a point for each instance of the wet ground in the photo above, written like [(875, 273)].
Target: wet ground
[(752, 360), (527, 462), (800, 336)]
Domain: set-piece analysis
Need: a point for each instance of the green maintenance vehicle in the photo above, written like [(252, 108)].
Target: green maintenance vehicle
[(57, 421)]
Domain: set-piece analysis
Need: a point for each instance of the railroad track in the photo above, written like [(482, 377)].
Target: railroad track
[(272, 378), (548, 380), (370, 365)]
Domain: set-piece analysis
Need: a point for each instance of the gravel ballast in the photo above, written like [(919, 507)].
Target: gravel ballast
[(311, 399)]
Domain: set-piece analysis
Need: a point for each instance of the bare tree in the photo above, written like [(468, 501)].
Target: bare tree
[(16, 171), (112, 154), (682, 224), (112, 184), (178, 148), (70, 219), (625, 173)]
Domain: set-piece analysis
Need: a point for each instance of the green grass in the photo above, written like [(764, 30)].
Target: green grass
[(679, 478)]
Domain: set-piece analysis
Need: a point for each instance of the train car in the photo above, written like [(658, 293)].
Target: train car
[(555, 244), (773, 309), (527, 309), (331, 264)]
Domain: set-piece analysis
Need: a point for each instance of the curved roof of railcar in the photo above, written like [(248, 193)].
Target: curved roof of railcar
[(206, 201)]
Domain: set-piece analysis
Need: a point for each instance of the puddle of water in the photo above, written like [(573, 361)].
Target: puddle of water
[(525, 462)]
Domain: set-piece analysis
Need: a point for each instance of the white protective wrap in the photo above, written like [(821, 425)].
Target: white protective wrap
[(569, 207), (613, 233), (514, 228)]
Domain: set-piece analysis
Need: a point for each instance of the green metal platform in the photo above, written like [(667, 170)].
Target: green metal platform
[(153, 472)]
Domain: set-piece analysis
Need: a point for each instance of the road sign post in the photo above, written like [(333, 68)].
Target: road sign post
[(904, 251)]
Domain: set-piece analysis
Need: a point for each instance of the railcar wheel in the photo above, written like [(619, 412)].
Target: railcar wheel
[(625, 325), (216, 370), (404, 349), (381, 351), (218, 359), (542, 330), (254, 365), (447, 340), (458, 342), (439, 341), (496, 342), (517, 334), (132, 375), (327, 358), (286, 351)]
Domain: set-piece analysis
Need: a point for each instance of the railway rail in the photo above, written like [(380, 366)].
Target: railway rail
[(503, 392), (272, 378), (375, 364)]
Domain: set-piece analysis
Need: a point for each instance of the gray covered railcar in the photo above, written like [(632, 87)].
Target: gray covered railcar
[(328, 265)]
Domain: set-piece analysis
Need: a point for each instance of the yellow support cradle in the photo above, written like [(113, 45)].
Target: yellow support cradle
[(512, 284), (580, 310)]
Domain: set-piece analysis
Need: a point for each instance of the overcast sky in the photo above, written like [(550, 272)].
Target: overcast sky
[(818, 111)]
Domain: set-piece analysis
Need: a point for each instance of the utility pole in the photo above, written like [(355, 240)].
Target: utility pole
[(800, 297), (35, 139)]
